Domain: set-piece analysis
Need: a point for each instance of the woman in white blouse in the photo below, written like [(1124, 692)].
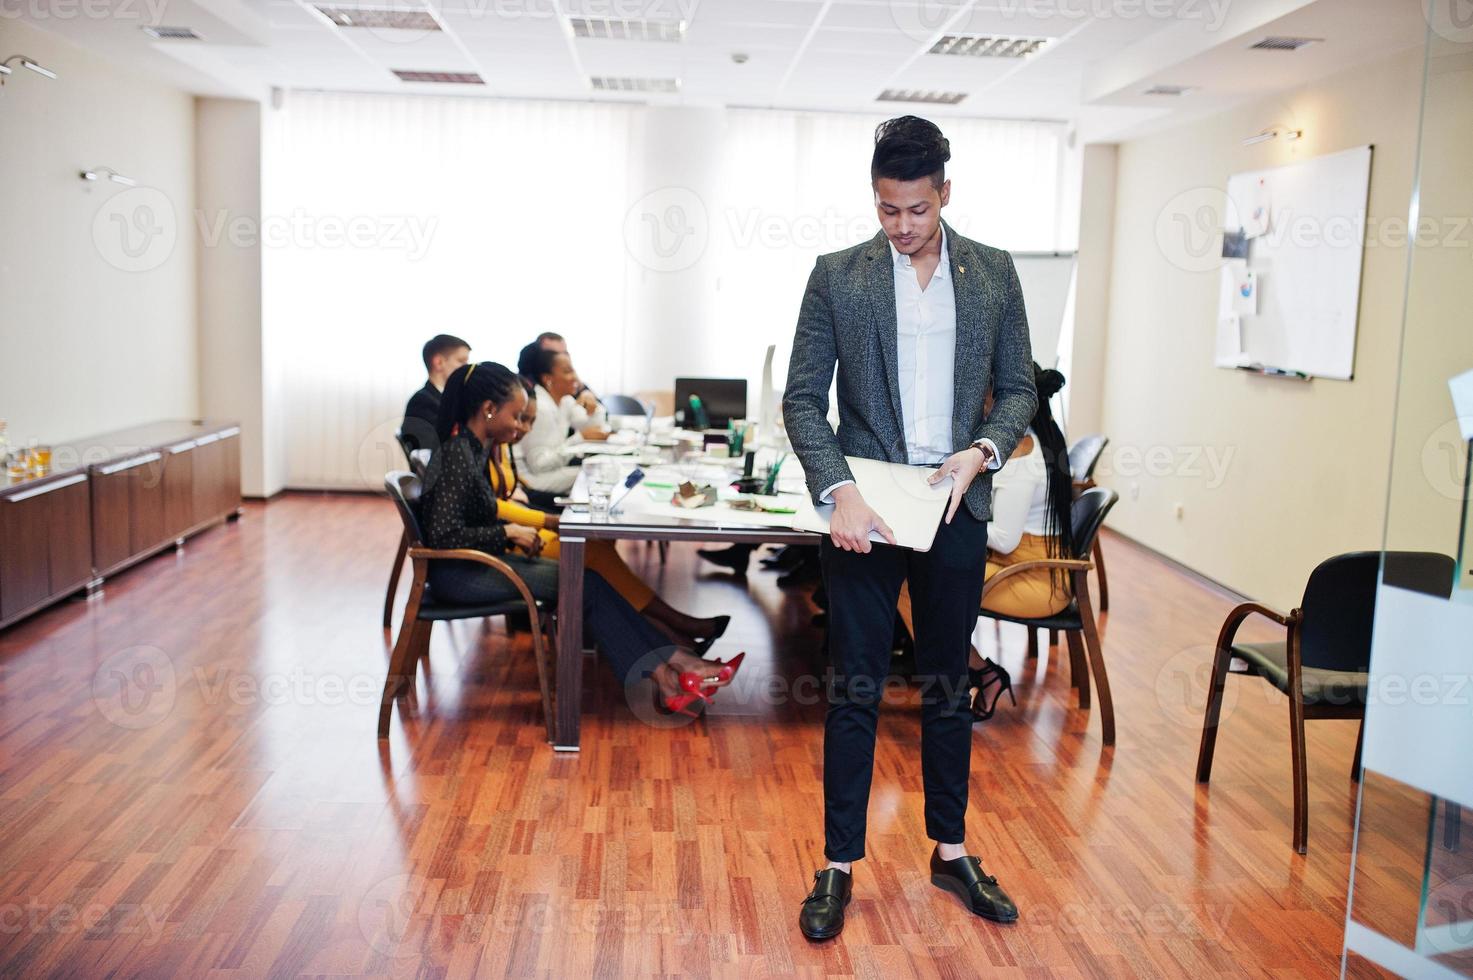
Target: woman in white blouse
[(544, 456), (1032, 497)]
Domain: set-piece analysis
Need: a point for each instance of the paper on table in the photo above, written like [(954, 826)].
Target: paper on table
[(897, 492)]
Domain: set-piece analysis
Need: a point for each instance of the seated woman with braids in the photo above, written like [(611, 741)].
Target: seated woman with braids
[(1032, 501), (481, 406), (600, 556)]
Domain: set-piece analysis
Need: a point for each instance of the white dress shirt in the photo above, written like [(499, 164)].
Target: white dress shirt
[(925, 348), (543, 455)]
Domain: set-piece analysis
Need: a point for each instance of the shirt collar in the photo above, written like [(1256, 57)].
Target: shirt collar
[(470, 437), (902, 261)]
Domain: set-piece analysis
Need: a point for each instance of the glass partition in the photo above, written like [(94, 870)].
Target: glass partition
[(1411, 895)]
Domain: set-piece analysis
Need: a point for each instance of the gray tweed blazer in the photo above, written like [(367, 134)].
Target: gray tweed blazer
[(848, 319)]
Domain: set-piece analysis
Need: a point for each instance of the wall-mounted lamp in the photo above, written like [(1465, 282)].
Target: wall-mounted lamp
[(25, 62), (97, 173), (1273, 133)]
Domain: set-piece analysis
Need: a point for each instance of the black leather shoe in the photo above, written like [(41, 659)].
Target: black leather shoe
[(734, 558), (980, 892), (822, 916)]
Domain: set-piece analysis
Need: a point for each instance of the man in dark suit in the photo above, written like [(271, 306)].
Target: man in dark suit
[(442, 354), (921, 323)]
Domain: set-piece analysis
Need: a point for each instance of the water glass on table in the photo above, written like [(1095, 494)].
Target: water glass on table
[(602, 474)]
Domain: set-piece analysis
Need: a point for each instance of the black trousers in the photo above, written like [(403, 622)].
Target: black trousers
[(946, 594)]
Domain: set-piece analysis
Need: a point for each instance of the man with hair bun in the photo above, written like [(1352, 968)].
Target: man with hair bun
[(921, 324)]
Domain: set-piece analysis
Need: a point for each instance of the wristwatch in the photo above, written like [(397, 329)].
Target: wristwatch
[(987, 452)]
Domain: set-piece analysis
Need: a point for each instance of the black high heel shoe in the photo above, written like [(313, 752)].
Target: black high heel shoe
[(991, 681)]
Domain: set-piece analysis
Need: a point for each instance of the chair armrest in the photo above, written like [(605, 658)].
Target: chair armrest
[(480, 557), (1066, 564), (1235, 619)]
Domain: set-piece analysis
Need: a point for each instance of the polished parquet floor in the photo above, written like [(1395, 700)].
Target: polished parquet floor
[(190, 786)]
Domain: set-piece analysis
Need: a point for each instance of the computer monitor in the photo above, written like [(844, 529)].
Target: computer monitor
[(724, 399)]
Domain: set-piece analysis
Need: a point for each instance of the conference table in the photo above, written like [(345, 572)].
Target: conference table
[(640, 516)]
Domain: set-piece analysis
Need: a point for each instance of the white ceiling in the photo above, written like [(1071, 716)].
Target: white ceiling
[(816, 54)]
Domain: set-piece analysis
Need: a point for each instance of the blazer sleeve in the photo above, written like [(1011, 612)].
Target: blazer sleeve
[(806, 398), (1014, 399)]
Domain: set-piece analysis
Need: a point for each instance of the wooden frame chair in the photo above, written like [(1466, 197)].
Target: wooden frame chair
[(1077, 621), (424, 610), (1322, 663), (419, 461)]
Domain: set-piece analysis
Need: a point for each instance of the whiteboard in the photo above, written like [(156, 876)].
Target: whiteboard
[(1290, 305), (1047, 280)]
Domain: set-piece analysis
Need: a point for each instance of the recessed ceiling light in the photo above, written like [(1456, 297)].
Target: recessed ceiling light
[(1283, 43), (988, 45), (628, 29), (608, 83), (390, 20), (171, 33), (918, 95), (440, 77)]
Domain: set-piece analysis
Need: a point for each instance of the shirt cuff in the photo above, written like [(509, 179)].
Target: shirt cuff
[(995, 460), (827, 497)]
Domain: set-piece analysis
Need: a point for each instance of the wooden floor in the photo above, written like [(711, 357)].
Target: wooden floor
[(190, 786)]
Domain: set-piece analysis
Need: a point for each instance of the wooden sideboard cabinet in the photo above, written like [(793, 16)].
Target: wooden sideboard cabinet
[(125, 496)]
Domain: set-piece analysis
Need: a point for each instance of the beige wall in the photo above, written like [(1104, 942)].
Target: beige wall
[(92, 337), (1271, 475), (234, 366)]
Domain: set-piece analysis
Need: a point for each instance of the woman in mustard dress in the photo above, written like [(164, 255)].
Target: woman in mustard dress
[(599, 556), (1032, 499)]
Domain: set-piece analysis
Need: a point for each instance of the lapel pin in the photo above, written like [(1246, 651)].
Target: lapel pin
[(960, 269)]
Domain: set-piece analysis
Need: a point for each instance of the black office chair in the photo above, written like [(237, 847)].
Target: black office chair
[(419, 460), (424, 610), (1077, 620), (1321, 664), (1084, 456), (624, 405)]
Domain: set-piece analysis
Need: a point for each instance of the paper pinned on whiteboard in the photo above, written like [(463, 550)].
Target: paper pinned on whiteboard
[(1229, 350), (1245, 293), (1462, 392)]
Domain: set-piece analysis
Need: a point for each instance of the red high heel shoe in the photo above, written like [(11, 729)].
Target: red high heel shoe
[(692, 689)]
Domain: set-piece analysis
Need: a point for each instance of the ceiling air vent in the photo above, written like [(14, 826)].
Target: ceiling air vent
[(171, 33), (391, 20), (1169, 89), (917, 95), (607, 83), (988, 45), (626, 29), (440, 77), (1283, 43)]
